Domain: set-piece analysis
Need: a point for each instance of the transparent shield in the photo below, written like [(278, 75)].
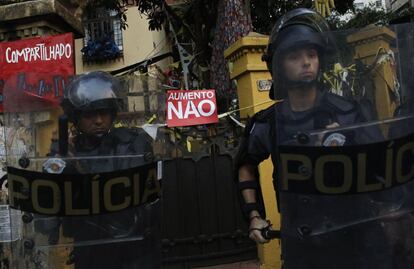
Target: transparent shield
[(82, 201), (345, 150)]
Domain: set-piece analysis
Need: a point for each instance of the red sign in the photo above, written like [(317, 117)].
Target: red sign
[(36, 70), (191, 107)]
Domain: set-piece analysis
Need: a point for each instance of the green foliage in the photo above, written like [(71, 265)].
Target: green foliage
[(265, 13), (371, 15), (335, 21), (366, 16), (154, 11), (195, 20)]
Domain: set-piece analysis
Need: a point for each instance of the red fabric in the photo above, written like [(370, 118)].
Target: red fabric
[(34, 72), (233, 22)]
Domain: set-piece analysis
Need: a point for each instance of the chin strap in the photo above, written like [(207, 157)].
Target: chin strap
[(300, 84), (88, 142)]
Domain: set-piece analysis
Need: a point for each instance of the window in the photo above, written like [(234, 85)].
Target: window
[(378, 3), (103, 36)]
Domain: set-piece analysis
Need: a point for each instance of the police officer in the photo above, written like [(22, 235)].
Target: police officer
[(297, 54), (126, 239)]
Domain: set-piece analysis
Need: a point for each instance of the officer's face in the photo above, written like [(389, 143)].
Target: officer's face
[(301, 64), (95, 123)]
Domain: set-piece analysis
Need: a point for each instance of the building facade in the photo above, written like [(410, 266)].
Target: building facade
[(360, 4), (398, 5), (124, 47)]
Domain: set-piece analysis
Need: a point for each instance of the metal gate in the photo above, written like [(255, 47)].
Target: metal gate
[(202, 220)]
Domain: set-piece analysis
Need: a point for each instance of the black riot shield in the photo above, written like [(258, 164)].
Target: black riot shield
[(80, 205), (345, 150)]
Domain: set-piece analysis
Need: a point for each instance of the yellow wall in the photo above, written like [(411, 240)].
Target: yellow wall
[(367, 43), (138, 42)]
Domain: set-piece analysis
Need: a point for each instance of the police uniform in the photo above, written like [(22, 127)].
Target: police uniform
[(137, 228), (320, 231), (329, 108), (128, 239), (349, 231)]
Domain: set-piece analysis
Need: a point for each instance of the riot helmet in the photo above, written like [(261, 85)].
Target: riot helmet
[(299, 28), (91, 92)]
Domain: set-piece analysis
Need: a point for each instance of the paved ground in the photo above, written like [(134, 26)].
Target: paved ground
[(238, 265)]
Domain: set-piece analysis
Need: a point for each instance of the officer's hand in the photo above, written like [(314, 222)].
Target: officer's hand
[(332, 125), (320, 137), (255, 230), (71, 145)]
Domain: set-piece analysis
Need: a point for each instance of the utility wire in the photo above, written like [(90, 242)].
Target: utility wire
[(147, 60)]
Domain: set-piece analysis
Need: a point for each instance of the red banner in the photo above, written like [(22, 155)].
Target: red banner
[(191, 107), (35, 71)]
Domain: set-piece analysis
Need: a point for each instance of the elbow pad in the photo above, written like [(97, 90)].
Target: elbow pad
[(248, 207)]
